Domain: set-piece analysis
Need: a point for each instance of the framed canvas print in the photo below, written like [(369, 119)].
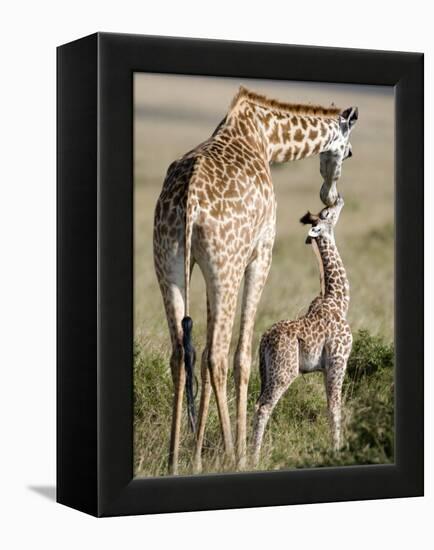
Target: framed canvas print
[(213, 351)]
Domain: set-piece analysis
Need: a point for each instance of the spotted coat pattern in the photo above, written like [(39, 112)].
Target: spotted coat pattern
[(319, 341), (217, 209)]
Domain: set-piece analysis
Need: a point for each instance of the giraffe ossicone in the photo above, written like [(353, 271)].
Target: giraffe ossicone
[(217, 209)]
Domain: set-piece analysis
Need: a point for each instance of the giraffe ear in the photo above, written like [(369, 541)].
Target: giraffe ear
[(350, 116), (309, 218)]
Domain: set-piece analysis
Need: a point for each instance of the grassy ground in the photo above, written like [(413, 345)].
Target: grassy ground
[(173, 116), (297, 435)]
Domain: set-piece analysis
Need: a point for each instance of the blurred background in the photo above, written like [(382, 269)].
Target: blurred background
[(173, 114)]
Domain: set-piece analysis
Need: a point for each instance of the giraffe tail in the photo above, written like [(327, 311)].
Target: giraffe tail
[(187, 322), (189, 360)]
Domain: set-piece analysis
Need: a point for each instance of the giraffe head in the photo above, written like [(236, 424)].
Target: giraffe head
[(338, 150), (324, 222)]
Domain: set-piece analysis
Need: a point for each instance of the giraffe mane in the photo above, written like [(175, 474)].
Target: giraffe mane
[(295, 108)]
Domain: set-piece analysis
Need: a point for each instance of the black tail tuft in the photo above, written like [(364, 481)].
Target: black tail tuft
[(189, 360)]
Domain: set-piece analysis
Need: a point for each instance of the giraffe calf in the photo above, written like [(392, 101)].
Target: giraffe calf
[(319, 341)]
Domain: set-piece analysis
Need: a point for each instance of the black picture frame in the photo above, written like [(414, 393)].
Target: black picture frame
[(95, 274)]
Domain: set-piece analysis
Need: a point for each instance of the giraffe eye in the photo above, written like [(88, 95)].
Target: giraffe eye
[(325, 214)]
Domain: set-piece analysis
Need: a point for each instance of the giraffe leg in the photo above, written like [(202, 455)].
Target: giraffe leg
[(218, 366), (178, 377), (204, 404), (264, 408), (254, 281), (174, 306), (262, 415), (203, 412), (334, 377), (223, 301), (277, 375)]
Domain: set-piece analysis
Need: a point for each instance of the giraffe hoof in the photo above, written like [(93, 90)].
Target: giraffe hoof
[(242, 463), (197, 468)]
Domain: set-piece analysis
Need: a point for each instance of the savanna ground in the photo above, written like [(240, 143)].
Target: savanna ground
[(172, 115)]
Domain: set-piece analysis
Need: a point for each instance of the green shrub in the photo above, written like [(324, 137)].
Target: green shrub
[(369, 390), (368, 356)]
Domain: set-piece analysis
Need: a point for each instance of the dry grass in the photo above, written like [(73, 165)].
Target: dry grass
[(173, 114)]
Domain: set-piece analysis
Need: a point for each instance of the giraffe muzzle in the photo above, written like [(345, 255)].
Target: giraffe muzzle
[(328, 193)]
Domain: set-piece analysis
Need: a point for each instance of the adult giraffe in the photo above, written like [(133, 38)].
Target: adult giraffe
[(217, 208)]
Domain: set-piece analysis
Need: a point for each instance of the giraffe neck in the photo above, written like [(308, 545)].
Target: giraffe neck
[(320, 266), (283, 136), (334, 282)]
